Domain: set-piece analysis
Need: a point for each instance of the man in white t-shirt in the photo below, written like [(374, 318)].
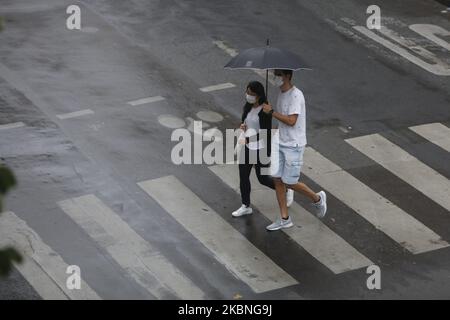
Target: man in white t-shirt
[(291, 115)]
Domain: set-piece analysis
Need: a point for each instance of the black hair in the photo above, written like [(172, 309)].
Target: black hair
[(257, 88), (286, 72)]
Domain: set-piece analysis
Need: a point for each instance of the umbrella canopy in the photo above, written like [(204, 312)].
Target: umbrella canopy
[(266, 58)]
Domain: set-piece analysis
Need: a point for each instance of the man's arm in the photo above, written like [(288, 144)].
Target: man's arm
[(290, 119)]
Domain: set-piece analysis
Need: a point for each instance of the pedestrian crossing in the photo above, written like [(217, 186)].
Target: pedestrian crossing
[(231, 248), (45, 269), (436, 133), (405, 166), (373, 207), (314, 236), (142, 262)]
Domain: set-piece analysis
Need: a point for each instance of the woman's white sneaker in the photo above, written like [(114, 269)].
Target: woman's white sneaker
[(242, 211)]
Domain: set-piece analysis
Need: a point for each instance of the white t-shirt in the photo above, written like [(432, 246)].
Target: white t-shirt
[(252, 122), (292, 102)]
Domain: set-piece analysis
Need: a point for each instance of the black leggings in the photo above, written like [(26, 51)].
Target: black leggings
[(244, 174)]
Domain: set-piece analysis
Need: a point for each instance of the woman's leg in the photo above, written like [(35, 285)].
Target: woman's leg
[(264, 179), (244, 179)]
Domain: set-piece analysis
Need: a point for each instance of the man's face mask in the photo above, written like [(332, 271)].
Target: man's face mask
[(278, 80), (250, 99)]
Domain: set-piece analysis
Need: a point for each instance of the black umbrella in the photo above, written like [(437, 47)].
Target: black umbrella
[(266, 58)]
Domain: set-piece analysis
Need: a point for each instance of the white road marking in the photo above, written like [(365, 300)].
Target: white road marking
[(314, 236), (221, 86), (440, 68), (209, 116), (135, 255), (146, 100), (232, 52), (436, 133), (74, 114), (383, 214), (430, 31), (11, 125), (89, 29), (407, 43), (170, 121), (405, 166), (231, 248), (42, 267)]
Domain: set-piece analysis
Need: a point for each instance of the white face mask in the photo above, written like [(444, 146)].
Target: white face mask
[(278, 81), (250, 99)]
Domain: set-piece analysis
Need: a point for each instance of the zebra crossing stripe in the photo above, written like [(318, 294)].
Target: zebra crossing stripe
[(436, 133), (383, 214), (43, 268), (314, 236), (405, 166), (229, 247), (135, 255)]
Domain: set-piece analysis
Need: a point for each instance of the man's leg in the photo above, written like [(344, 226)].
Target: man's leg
[(280, 190), (304, 189), (319, 199)]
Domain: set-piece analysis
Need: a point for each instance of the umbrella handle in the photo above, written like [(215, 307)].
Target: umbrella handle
[(267, 77)]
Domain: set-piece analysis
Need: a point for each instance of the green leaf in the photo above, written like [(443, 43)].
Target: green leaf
[(7, 179), (7, 257)]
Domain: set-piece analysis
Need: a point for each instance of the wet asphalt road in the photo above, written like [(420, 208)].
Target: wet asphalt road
[(135, 49)]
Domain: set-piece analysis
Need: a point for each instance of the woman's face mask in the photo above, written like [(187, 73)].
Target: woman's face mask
[(250, 99)]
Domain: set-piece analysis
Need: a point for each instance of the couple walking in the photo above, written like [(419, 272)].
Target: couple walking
[(291, 116)]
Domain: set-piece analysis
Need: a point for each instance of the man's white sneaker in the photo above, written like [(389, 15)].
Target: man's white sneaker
[(242, 211), (280, 224), (321, 205), (289, 197)]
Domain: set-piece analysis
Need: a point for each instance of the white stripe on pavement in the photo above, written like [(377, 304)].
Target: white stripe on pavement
[(146, 100), (436, 133), (217, 87), (405, 166), (431, 31), (314, 236), (135, 255), (43, 268), (383, 214), (231, 248), (232, 52), (74, 114), (11, 125), (438, 67)]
